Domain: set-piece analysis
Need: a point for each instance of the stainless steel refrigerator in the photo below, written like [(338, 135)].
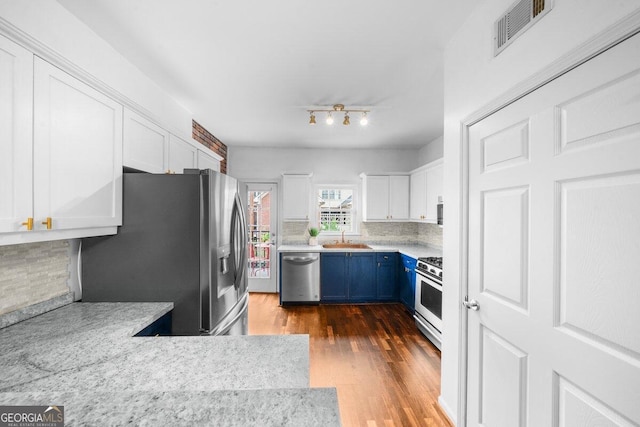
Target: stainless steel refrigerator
[(182, 241)]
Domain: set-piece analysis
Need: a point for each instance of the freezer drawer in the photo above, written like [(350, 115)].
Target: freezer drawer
[(299, 277)]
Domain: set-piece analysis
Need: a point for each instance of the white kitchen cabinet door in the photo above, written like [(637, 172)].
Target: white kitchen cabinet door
[(146, 145), (434, 191), (399, 197), (205, 161), (376, 198), (296, 197), (386, 197), (418, 204), (77, 153), (182, 155), (16, 138)]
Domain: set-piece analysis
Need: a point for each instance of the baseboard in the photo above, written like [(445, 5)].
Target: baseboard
[(447, 411)]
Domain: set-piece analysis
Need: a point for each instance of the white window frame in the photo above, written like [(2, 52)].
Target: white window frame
[(355, 210)]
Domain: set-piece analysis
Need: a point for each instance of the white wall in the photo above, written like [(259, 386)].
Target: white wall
[(51, 24), (434, 150), (329, 166), (473, 78)]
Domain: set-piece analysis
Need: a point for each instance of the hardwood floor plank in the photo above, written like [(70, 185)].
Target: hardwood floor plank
[(386, 373)]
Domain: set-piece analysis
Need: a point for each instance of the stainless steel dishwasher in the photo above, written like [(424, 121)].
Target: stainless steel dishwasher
[(300, 277)]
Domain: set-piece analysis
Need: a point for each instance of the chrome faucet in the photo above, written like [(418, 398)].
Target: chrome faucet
[(342, 236)]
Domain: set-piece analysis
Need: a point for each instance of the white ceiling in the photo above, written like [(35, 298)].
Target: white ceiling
[(249, 69)]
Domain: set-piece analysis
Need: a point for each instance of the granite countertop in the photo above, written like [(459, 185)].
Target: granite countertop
[(414, 251), (84, 354)]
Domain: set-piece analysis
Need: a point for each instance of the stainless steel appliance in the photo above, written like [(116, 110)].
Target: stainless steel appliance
[(300, 277), (428, 314), (182, 241)]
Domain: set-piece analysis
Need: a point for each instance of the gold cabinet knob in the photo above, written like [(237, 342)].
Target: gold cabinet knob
[(47, 222), (28, 223)]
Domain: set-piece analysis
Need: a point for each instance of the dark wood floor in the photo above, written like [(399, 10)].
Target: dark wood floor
[(385, 371)]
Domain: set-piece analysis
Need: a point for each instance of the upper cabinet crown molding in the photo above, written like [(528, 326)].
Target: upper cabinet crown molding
[(54, 58)]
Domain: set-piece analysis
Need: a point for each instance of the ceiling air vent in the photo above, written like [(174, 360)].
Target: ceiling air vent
[(518, 18)]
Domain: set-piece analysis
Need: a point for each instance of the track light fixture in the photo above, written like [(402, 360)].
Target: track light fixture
[(338, 108)]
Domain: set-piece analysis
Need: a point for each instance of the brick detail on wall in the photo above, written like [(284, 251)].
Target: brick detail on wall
[(32, 273), (207, 139)]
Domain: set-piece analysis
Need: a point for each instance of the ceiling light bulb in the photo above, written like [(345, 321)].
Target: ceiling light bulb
[(312, 119), (329, 119), (346, 121), (364, 120)]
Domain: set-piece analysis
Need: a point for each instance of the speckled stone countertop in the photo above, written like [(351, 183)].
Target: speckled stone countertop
[(229, 408), (84, 348), (414, 251)]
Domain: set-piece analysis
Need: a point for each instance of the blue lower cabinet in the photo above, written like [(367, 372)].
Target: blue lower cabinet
[(333, 276), (161, 326), (408, 282), (347, 277), (387, 276), (362, 277)]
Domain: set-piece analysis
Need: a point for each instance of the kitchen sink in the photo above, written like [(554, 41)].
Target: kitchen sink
[(345, 246)]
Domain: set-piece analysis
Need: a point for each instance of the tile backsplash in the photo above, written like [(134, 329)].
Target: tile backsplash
[(32, 273), (410, 233)]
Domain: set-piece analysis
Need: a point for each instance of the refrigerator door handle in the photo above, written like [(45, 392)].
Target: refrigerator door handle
[(238, 225), (229, 325)]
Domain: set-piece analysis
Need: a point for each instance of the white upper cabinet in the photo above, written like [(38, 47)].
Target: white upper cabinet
[(296, 197), (418, 195), (426, 188), (386, 197), (150, 148), (182, 155), (16, 138), (434, 191), (399, 197), (146, 145), (77, 153), (207, 161)]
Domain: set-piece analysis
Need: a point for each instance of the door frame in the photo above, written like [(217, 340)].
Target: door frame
[(614, 34), (244, 192)]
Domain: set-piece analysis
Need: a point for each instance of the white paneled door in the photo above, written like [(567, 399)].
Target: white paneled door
[(554, 252)]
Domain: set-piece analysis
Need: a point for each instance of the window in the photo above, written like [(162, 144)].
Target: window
[(335, 209)]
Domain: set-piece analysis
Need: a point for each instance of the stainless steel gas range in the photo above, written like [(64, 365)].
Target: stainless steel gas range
[(428, 314)]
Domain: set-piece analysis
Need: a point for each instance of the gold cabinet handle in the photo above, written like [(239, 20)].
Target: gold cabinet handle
[(29, 224), (47, 222)]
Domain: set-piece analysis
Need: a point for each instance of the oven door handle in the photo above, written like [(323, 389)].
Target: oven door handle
[(430, 280)]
